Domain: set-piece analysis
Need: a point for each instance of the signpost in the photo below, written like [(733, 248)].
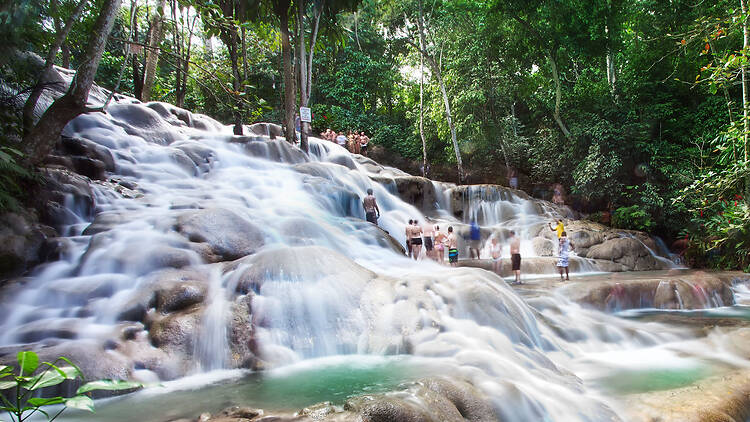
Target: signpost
[(305, 114)]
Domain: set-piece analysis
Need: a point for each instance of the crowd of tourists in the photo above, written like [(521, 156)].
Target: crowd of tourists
[(435, 242), (354, 142)]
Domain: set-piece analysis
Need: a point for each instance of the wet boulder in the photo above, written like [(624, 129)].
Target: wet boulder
[(180, 296), (544, 247), (23, 242), (177, 332), (66, 197), (228, 234), (628, 251)]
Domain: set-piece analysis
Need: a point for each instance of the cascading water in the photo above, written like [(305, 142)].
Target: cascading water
[(243, 249)]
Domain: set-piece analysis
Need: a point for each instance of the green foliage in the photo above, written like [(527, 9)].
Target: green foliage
[(20, 385), (632, 218), (596, 177)]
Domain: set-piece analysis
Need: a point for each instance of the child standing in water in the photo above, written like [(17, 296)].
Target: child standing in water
[(452, 248), (562, 263)]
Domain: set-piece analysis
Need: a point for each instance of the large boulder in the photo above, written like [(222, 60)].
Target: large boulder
[(415, 190), (229, 235), (24, 242), (628, 251)]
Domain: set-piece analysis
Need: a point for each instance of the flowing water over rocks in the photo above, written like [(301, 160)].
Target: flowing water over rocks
[(186, 249)]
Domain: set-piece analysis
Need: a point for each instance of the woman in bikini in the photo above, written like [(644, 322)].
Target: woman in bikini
[(496, 250), (440, 238)]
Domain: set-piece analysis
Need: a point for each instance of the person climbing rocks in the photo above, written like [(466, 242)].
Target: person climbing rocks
[(452, 247), (564, 251), (515, 256), (474, 239), (496, 250), (372, 212), (439, 240), (416, 240), (559, 228)]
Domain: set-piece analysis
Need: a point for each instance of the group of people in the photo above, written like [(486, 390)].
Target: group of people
[(354, 142), (434, 240)]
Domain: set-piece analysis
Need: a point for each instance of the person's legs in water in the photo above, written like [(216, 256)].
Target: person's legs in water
[(416, 249)]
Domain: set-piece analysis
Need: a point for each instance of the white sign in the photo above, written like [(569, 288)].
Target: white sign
[(305, 114)]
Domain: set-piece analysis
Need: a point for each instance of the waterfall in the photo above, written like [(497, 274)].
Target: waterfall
[(241, 251)]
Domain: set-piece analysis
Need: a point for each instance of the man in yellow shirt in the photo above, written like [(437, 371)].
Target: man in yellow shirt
[(560, 228)]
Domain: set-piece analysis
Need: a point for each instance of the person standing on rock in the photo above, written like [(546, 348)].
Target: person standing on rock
[(452, 247), (515, 255), (559, 228), (341, 140), (372, 212), (363, 141), (428, 232), (416, 240), (408, 237), (475, 237), (496, 250), (440, 239), (562, 262)]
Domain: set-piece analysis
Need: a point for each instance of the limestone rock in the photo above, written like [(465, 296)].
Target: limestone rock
[(544, 247), (228, 234)]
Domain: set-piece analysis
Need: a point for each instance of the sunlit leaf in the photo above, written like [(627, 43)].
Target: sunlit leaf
[(28, 362), (110, 385), (80, 402)]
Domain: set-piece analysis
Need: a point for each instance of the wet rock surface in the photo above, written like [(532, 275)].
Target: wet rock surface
[(228, 234), (428, 400)]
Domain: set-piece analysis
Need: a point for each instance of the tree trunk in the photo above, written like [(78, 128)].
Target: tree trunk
[(304, 94), (236, 85), (558, 94), (177, 47), (152, 53), (186, 62), (356, 31), (421, 99), (46, 73), (42, 138), (65, 50), (282, 11), (459, 163), (137, 80), (446, 102), (745, 93)]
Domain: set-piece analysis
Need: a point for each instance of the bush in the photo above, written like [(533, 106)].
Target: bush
[(632, 218)]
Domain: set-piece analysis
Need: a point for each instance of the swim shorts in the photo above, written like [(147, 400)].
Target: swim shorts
[(515, 262), (452, 255), (372, 217), (428, 243), (416, 241)]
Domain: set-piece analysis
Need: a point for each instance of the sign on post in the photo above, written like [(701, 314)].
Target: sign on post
[(305, 114)]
